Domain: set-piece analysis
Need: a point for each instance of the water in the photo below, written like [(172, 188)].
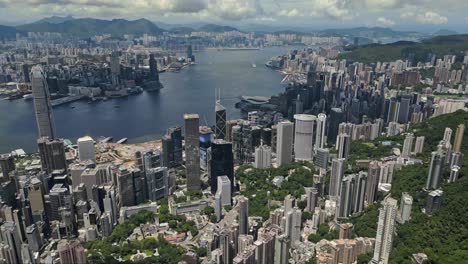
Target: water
[(148, 115)]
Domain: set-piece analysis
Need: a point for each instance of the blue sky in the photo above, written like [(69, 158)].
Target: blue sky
[(425, 15)]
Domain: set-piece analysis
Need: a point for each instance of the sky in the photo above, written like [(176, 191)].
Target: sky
[(423, 15)]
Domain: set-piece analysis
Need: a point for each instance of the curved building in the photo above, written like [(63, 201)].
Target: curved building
[(304, 136)]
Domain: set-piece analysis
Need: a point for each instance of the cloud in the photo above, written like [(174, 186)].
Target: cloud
[(385, 22), (235, 9), (290, 13), (335, 9), (428, 17)]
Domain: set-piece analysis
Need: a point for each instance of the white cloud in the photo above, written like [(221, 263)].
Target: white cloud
[(385, 22), (290, 13), (428, 17), (335, 9)]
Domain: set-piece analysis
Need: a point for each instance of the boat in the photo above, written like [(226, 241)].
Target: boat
[(122, 141), (106, 140), (72, 107), (254, 65), (28, 97)]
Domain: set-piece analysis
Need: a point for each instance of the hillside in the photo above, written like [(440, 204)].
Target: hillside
[(7, 32), (86, 27), (55, 19), (370, 32), (443, 236), (216, 28), (441, 45)]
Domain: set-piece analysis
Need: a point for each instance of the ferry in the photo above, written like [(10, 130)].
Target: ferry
[(122, 141), (106, 140)]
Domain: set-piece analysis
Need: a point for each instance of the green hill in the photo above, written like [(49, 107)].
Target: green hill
[(216, 28), (86, 27), (443, 236), (441, 45), (7, 32), (55, 19)]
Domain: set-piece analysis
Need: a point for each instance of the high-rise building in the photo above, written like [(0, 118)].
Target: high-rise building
[(406, 204), (337, 171), (435, 170), (407, 145), (434, 201), (385, 229), (458, 138), (345, 203), (448, 134), (115, 69), (284, 144), (312, 199), (192, 151), (224, 190), (206, 137), (11, 238), (304, 137), (42, 105), (320, 134), (86, 148), (220, 126), (172, 148), (343, 145), (157, 183), (293, 225), (454, 173), (346, 231), (262, 157), (243, 215), (154, 74), (220, 163), (52, 153), (373, 178), (336, 118), (282, 246), (71, 252), (321, 158), (418, 146), (34, 238), (7, 165)]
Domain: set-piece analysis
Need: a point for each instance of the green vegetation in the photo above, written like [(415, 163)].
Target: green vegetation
[(177, 222), (323, 232), (427, 73), (441, 45), (108, 249), (365, 225), (259, 182)]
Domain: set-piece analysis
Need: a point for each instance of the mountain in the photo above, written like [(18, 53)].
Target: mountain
[(55, 19), (182, 30), (372, 32), (445, 32), (440, 45), (86, 27), (216, 28), (7, 32)]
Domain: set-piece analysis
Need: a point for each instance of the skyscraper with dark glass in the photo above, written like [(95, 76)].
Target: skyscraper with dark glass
[(220, 163), (220, 128), (42, 105), (192, 151)]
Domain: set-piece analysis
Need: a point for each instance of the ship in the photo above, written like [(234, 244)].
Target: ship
[(28, 96), (122, 141)]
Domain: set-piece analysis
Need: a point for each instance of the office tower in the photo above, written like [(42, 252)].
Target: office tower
[(282, 246), (336, 118), (407, 145), (172, 148), (157, 183), (372, 185), (262, 157), (385, 229), (406, 204), (11, 238), (125, 187), (284, 143), (321, 158), (224, 190), (304, 137), (434, 201), (115, 69), (42, 105), (35, 191), (190, 52), (34, 238), (192, 151), (243, 215), (454, 173), (206, 136), (343, 145), (448, 134), (154, 74), (403, 110), (86, 149), (458, 138), (436, 168), (220, 127), (229, 125), (52, 153), (312, 199), (220, 163), (7, 165), (26, 254), (59, 197), (418, 146), (321, 131), (71, 252), (337, 171), (293, 225), (346, 231), (218, 206), (89, 178)]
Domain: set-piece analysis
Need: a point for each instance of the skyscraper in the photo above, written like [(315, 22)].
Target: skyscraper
[(224, 190), (372, 185), (42, 105), (385, 229), (220, 163), (52, 153), (336, 117), (7, 164), (293, 225), (262, 157), (406, 204), (304, 137), (458, 138), (418, 146), (154, 74), (337, 171), (321, 131), (435, 170), (343, 145), (434, 201), (312, 199), (407, 145), (86, 149), (243, 215), (284, 143), (192, 151), (220, 127), (172, 148), (157, 183), (71, 252)]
